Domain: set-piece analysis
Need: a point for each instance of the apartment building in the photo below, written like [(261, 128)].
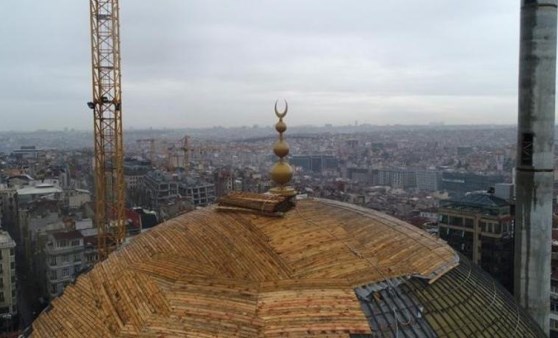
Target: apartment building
[(64, 259), (480, 226), (8, 289)]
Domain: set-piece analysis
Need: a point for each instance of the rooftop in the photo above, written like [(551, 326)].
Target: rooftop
[(323, 269), (67, 235), (479, 199), (41, 189)]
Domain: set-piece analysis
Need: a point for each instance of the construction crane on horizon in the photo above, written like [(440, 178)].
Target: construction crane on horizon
[(107, 111), (188, 151)]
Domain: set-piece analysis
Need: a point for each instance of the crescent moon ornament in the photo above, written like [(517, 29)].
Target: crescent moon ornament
[(284, 113)]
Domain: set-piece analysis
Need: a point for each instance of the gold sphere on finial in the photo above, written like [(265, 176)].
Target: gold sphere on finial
[(281, 172)]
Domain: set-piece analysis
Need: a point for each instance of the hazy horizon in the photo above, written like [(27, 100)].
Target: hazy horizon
[(272, 129)]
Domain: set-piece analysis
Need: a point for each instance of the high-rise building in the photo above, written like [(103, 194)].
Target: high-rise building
[(396, 178), (480, 226), (314, 163), (428, 180)]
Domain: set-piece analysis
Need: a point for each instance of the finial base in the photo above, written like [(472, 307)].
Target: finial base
[(288, 192), (283, 191)]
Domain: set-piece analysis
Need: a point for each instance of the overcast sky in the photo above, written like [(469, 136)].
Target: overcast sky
[(200, 63)]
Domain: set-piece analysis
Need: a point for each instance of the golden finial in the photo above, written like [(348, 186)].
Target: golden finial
[(281, 172)]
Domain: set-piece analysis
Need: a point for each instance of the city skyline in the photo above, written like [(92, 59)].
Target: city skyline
[(203, 64)]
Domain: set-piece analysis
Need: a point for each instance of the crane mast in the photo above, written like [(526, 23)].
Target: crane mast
[(107, 111)]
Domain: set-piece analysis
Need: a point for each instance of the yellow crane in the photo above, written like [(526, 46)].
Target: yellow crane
[(107, 112)]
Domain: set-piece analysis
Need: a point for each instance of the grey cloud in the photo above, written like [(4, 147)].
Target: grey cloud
[(217, 62)]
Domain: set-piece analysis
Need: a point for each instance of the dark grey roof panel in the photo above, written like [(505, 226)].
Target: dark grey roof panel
[(393, 311), (465, 302)]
